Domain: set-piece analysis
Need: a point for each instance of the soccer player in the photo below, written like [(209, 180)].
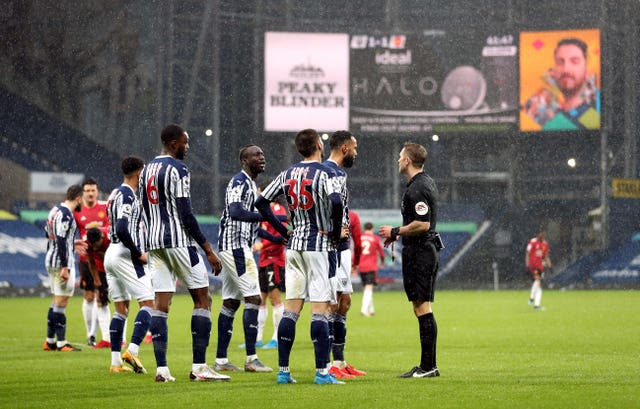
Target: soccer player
[(371, 251), (343, 146), (95, 306), (125, 262), (59, 261), (239, 226), (420, 248), (271, 272), (173, 232), (316, 217), (536, 258)]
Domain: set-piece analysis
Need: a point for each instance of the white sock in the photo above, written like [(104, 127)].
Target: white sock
[(134, 349), (196, 367), (87, 314), (533, 290), (366, 300), (124, 331), (262, 320), (538, 296), (94, 319), (104, 319), (116, 360), (277, 311)]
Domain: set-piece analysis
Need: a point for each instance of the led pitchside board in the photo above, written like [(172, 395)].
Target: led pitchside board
[(435, 81), (560, 80)]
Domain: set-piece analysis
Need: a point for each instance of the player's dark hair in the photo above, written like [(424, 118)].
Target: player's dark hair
[(368, 226), (74, 191), (416, 152), (306, 141), (94, 235), (89, 181), (171, 133), (243, 151), (573, 41), (339, 138), (131, 164)]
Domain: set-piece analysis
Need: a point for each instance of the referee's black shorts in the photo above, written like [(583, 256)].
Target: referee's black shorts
[(419, 271)]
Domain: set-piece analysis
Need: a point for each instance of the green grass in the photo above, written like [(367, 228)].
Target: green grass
[(493, 352)]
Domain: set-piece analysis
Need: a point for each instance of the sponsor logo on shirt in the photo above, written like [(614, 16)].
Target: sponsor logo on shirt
[(422, 208)]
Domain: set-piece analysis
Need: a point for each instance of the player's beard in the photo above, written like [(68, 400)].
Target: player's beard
[(348, 161), (78, 207)]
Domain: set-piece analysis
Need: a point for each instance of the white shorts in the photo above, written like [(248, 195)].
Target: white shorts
[(57, 285), (307, 276), (122, 278), (179, 263), (239, 274), (342, 281)]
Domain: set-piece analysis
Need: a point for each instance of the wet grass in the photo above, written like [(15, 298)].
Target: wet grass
[(493, 352)]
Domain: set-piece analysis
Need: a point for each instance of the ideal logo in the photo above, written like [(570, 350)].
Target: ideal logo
[(389, 58), (31, 247)]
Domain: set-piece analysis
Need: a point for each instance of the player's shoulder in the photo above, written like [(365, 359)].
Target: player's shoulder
[(173, 163), (64, 212), (239, 178), (332, 167)]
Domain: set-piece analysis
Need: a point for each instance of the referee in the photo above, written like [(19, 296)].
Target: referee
[(420, 249)]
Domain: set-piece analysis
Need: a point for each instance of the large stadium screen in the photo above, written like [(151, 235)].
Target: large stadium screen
[(560, 80), (306, 81), (435, 81)]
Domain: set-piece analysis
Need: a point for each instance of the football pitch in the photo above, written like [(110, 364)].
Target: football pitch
[(494, 351)]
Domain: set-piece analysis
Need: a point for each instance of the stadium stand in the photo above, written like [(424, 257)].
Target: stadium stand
[(612, 268), (34, 139), (22, 251), (577, 274)]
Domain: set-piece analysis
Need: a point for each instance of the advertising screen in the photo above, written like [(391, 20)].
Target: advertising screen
[(306, 81), (560, 80), (435, 81)]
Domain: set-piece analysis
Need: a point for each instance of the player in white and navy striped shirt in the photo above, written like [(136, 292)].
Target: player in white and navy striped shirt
[(316, 217), (59, 261), (343, 154), (173, 232), (239, 227), (124, 264)]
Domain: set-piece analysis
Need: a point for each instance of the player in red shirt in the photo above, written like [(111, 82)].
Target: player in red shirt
[(97, 243), (371, 251), (271, 264), (95, 307), (536, 259), (355, 232)]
